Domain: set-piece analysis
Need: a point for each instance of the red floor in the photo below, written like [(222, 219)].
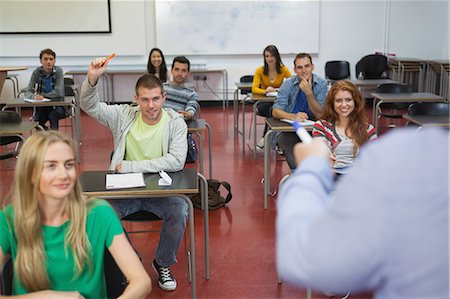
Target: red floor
[(241, 234)]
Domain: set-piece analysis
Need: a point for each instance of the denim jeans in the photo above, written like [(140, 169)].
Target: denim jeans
[(173, 211), (52, 114)]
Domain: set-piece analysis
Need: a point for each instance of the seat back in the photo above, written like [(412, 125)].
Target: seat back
[(6, 276), (436, 109), (337, 70), (9, 117), (393, 88), (372, 66), (246, 79)]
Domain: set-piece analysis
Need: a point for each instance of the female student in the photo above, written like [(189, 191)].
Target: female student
[(56, 236), (157, 64), (268, 78), (344, 124)]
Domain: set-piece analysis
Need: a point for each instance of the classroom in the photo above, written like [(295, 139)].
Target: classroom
[(235, 246)]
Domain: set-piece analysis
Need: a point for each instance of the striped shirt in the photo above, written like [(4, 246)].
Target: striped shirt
[(181, 98)]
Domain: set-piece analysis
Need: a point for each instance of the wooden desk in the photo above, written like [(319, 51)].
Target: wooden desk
[(139, 70), (65, 102), (414, 97), (275, 125), (196, 127), (184, 182), (428, 120), (4, 73)]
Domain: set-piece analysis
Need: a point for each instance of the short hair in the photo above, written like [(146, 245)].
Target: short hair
[(48, 52), (149, 81), (181, 59), (303, 55)]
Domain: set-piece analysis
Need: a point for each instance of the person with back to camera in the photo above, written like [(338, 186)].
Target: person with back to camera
[(157, 64), (268, 78), (56, 236), (147, 138), (47, 81), (344, 124), (385, 226)]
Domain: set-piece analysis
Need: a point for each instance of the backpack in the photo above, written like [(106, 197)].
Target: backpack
[(215, 200)]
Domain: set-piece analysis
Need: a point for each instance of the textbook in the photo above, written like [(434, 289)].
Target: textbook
[(125, 180)]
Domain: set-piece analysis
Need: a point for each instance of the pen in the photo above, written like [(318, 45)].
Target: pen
[(108, 59), (304, 135)]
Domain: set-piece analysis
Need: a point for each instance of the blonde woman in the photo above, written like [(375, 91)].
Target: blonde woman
[(57, 237)]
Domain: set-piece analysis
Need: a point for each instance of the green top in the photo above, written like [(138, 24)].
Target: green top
[(101, 226)]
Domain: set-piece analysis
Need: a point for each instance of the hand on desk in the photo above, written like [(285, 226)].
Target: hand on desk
[(38, 97), (271, 89), (300, 116), (97, 68), (186, 115), (118, 168)]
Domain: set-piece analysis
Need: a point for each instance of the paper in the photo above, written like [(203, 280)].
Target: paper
[(272, 94), (37, 101), (125, 180), (306, 122), (165, 179)]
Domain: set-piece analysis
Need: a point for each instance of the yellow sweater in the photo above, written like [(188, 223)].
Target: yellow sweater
[(261, 81)]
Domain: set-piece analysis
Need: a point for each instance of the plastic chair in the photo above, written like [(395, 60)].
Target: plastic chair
[(394, 107), (372, 66), (429, 109), (337, 70), (9, 117)]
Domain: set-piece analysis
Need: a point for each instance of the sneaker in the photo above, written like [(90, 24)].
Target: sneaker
[(166, 281), (279, 150), (260, 144)]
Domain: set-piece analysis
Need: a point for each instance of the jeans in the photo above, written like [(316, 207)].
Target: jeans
[(52, 114), (173, 211)]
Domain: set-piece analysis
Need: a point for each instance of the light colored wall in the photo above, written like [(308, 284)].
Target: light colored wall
[(348, 31)]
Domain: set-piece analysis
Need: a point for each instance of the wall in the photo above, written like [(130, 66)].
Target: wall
[(348, 30)]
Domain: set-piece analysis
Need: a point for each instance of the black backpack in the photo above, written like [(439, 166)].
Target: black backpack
[(215, 200)]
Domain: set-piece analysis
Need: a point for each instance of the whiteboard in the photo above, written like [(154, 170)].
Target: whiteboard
[(236, 27), (54, 16)]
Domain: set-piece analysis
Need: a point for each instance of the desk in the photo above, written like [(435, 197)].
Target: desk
[(196, 127), (361, 83), (428, 120), (4, 73), (413, 97), (275, 125), (67, 102), (139, 70), (18, 128), (184, 182)]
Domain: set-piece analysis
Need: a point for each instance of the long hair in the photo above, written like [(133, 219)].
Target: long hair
[(358, 122), (162, 69), (274, 51), (31, 263)]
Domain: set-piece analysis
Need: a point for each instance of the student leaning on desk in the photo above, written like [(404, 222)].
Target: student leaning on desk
[(56, 236), (147, 138)]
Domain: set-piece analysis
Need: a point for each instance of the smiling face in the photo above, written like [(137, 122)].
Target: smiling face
[(303, 67), (156, 59), (343, 104), (58, 173), (151, 102), (270, 58), (48, 62)]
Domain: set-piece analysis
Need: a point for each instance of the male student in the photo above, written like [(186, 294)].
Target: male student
[(301, 97), (180, 97), (47, 81), (147, 138), (384, 228)]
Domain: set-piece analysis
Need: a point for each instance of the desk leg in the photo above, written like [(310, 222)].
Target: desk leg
[(374, 113), (204, 193), (377, 106), (254, 129), (192, 244), (235, 112), (209, 148), (266, 166), (225, 86), (200, 150), (243, 125)]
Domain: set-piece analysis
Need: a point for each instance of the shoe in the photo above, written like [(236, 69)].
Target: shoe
[(260, 144), (279, 151), (166, 281)]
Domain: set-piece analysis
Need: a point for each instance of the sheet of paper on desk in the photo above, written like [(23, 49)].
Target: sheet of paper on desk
[(272, 94), (125, 180), (306, 122), (37, 101)]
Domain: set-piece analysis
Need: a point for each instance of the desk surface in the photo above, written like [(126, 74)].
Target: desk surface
[(277, 125), (240, 85), (196, 125), (262, 97), (372, 82), (428, 120), (19, 102), (183, 182), (132, 69), (408, 97), (18, 128), (12, 68)]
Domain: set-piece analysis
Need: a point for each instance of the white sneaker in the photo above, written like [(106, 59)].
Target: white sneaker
[(260, 144)]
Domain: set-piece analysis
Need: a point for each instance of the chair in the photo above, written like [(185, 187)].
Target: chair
[(429, 109), (337, 70), (246, 79), (116, 282), (372, 66), (9, 117), (394, 107)]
